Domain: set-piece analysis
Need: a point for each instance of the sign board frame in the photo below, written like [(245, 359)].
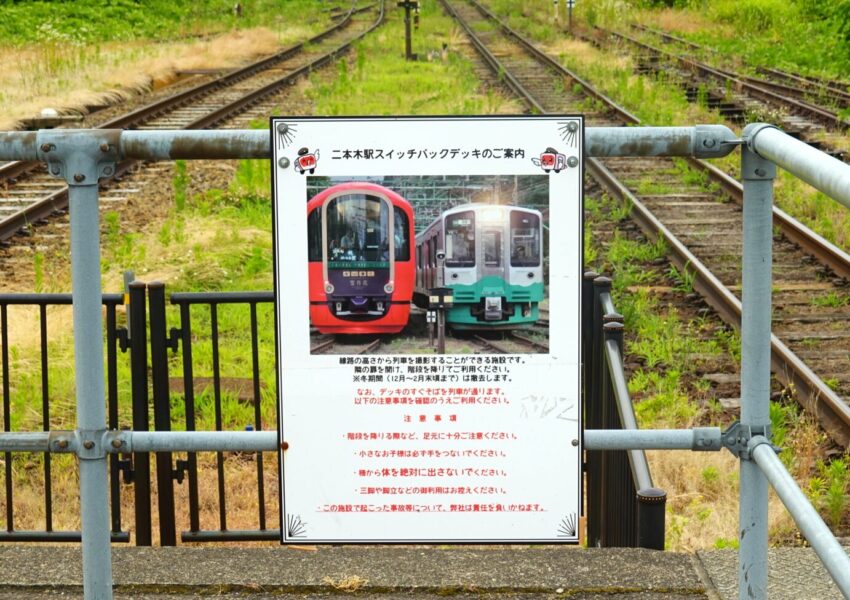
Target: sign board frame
[(486, 448)]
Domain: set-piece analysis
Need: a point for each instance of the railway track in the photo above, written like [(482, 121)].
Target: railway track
[(329, 346), (834, 92), (28, 194), (737, 96), (701, 227)]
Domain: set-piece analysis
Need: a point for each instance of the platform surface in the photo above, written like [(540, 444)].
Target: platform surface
[(412, 572)]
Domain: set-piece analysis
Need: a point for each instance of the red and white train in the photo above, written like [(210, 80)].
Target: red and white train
[(361, 269)]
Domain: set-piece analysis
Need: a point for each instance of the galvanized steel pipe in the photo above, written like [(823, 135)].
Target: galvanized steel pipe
[(832, 555), (200, 144), (25, 442), (90, 389), (827, 174), (699, 438), (756, 277), (705, 141), (191, 441)]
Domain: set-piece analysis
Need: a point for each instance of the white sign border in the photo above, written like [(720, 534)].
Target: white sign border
[(285, 539)]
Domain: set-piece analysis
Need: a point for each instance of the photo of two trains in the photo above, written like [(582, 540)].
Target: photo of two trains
[(377, 250)]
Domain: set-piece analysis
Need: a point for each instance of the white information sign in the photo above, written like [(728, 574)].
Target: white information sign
[(378, 222)]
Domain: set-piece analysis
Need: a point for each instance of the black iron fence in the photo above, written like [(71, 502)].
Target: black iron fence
[(25, 307), (623, 508)]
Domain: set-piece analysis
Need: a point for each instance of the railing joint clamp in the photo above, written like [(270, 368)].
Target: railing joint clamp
[(738, 436), (91, 443)]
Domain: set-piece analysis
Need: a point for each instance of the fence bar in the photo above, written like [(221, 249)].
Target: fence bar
[(91, 398), (189, 405), (193, 441), (705, 141), (161, 412), (45, 415), (7, 417), (757, 174), (833, 556), (201, 144), (19, 441), (54, 536), (697, 439), (258, 422), (141, 418), (112, 410), (700, 140), (828, 174), (219, 457)]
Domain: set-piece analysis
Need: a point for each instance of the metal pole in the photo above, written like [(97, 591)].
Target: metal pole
[(701, 141), (137, 323), (91, 402), (698, 439), (408, 46), (824, 172), (831, 553), (757, 174), (441, 331), (161, 412)]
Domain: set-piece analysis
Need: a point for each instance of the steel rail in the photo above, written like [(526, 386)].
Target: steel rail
[(814, 394), (371, 346), (58, 201), (322, 346), (488, 344), (529, 342), (833, 88), (144, 113), (548, 60), (839, 87), (762, 93)]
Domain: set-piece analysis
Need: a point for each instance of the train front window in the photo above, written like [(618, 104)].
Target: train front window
[(357, 229), (460, 240), (525, 239), (492, 248)]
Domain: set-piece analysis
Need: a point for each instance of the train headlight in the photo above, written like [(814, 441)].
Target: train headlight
[(492, 215), (389, 287), (531, 274), (329, 288)]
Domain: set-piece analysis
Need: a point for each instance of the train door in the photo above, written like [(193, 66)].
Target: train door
[(492, 269)]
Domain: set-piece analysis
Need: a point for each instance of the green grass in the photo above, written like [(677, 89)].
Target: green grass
[(394, 86), (98, 21), (220, 239)]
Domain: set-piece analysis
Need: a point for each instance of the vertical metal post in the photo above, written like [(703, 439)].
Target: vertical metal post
[(441, 331), (651, 506), (141, 421), (89, 376), (593, 410), (161, 412), (757, 174), (7, 416), (112, 409), (258, 422), (189, 403), (408, 49)]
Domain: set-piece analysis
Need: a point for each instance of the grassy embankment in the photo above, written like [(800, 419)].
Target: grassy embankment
[(220, 239), (703, 489), (72, 55)]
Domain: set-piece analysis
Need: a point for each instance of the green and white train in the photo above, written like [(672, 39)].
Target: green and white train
[(491, 257)]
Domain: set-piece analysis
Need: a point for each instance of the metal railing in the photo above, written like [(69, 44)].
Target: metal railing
[(183, 336), (81, 157), (114, 338), (624, 509)]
